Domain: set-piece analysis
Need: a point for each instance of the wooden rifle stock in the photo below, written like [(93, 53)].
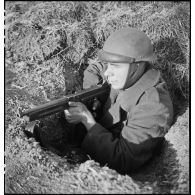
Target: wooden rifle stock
[(59, 105)]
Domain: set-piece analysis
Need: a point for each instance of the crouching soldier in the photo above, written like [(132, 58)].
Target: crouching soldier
[(138, 112)]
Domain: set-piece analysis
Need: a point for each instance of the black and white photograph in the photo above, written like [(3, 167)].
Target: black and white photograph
[(97, 97)]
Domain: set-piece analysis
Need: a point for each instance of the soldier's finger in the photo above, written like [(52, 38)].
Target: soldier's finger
[(96, 105), (66, 112), (73, 103), (74, 110)]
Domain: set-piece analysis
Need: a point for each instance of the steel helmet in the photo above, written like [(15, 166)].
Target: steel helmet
[(127, 45)]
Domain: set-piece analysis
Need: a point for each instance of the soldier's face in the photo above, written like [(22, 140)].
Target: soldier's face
[(116, 74)]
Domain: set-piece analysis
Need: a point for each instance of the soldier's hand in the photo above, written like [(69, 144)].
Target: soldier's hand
[(96, 104), (78, 112), (96, 107)]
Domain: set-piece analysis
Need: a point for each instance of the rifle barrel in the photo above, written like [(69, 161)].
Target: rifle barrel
[(61, 104)]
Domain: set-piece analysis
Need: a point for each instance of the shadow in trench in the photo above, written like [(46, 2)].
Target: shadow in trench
[(162, 171), (173, 63)]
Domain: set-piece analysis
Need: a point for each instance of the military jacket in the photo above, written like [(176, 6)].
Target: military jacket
[(134, 123)]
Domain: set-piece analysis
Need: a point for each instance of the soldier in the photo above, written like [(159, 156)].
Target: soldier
[(139, 110)]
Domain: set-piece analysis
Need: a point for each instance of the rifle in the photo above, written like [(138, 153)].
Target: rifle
[(86, 96)]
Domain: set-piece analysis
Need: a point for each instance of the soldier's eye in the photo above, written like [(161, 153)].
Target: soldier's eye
[(114, 66)]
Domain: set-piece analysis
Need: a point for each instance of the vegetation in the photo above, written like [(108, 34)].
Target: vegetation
[(48, 45)]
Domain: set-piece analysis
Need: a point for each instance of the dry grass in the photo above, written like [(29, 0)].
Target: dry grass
[(48, 45), (67, 33)]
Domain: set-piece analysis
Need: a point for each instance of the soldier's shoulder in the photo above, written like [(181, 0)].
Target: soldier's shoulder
[(157, 94)]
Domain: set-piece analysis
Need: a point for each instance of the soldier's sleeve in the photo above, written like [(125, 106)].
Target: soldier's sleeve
[(94, 74), (139, 139)]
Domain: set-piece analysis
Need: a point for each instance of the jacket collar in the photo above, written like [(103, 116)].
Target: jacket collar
[(130, 96)]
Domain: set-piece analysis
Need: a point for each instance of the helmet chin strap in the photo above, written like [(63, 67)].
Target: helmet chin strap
[(135, 71)]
